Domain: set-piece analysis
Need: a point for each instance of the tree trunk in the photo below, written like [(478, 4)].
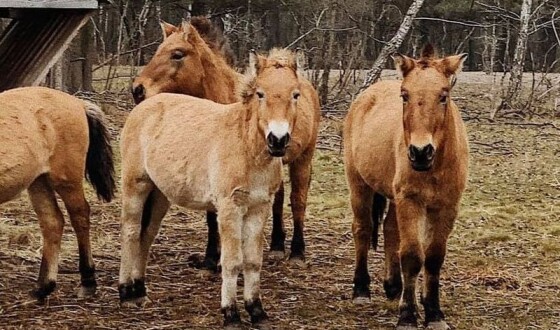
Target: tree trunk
[(375, 72), (516, 75), (327, 60)]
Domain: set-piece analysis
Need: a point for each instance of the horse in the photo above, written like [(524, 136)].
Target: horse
[(209, 156), (48, 140), (189, 63), (405, 143)]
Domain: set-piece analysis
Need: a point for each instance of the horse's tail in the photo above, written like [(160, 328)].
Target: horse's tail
[(100, 170), (378, 209)]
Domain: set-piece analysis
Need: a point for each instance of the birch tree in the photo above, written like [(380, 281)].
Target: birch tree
[(375, 72), (516, 74)]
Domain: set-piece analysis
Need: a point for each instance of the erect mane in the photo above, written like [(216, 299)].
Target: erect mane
[(427, 56), (214, 37), (277, 58)]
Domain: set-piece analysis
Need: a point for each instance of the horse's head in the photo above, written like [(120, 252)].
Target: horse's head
[(272, 90), (425, 90), (176, 66)]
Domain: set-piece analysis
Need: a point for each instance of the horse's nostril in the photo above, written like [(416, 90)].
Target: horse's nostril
[(429, 151), (138, 93)]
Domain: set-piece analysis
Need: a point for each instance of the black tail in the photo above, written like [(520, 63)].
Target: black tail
[(377, 212), (100, 170)]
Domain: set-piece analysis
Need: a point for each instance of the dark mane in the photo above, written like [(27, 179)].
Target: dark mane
[(213, 37)]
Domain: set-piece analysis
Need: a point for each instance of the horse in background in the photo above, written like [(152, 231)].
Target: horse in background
[(48, 140), (192, 63), (405, 141), (208, 156)]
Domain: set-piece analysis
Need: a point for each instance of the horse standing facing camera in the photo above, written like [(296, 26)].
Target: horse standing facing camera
[(208, 156), (405, 141)]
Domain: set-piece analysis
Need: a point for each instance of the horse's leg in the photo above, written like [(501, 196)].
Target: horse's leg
[(278, 232), (212, 253), (393, 281), (155, 208), (135, 192), (437, 230), (230, 225), (409, 214), (253, 227), (361, 200), (72, 195), (51, 222), (300, 175)]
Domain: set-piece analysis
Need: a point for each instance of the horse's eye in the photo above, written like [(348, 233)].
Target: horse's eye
[(177, 55), (260, 95), (443, 98), (296, 95), (404, 96)]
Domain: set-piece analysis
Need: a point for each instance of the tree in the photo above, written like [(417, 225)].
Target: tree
[(375, 72)]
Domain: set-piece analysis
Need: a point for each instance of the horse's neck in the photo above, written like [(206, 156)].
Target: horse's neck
[(255, 145), (220, 80)]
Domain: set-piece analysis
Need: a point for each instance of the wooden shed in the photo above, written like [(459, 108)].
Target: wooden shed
[(38, 34)]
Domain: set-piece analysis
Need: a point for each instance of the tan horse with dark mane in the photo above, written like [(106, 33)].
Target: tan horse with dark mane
[(48, 140), (192, 63), (208, 156), (406, 142)]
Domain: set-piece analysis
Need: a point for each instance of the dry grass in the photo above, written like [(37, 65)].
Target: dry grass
[(502, 270)]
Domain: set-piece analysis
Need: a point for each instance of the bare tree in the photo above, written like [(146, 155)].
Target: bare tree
[(516, 75), (375, 72)]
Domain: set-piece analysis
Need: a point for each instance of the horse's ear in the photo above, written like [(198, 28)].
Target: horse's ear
[(255, 62), (403, 64), (167, 29), (452, 65), (300, 59), (428, 52)]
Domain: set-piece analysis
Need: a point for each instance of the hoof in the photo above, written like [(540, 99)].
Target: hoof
[(232, 320), (139, 302), (199, 262), (437, 325), (43, 291), (86, 291), (361, 300), (393, 289), (277, 255), (297, 261), (361, 295), (263, 325)]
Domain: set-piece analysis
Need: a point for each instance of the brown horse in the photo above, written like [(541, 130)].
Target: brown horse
[(204, 155), (48, 140), (191, 64), (405, 141)]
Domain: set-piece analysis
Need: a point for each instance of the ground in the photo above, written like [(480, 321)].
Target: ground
[(502, 269)]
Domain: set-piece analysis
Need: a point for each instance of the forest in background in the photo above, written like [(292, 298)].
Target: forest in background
[(341, 35)]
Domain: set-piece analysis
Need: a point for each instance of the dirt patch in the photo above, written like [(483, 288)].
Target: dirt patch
[(502, 270)]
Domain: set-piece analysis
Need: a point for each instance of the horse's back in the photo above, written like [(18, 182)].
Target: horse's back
[(372, 132), (170, 138), (41, 129)]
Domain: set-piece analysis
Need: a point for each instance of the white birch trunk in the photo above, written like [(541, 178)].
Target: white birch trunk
[(375, 72)]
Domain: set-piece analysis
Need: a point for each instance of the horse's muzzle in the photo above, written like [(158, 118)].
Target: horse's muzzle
[(139, 94), (277, 146), (421, 158)]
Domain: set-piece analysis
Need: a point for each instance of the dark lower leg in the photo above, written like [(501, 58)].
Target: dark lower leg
[(411, 263), (132, 290), (231, 316), (300, 176), (212, 255), (256, 311), (45, 286), (278, 232), (393, 282), (430, 296)]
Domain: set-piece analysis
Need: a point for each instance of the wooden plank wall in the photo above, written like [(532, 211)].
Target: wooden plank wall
[(34, 42), (50, 4)]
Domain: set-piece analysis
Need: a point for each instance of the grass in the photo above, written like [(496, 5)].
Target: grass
[(502, 270)]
